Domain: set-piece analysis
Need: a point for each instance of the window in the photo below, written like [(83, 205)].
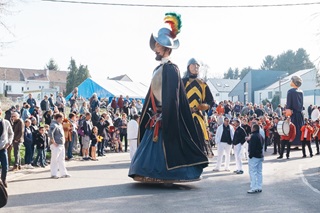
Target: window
[(270, 95), (217, 94), (40, 87), (8, 88), (27, 88), (246, 87), (22, 89), (245, 98)]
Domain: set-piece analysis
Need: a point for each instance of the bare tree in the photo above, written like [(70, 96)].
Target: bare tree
[(5, 11)]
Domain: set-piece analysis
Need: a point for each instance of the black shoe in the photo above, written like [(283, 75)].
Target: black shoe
[(304, 156), (317, 153), (259, 190), (274, 153), (311, 155), (240, 172), (288, 158), (5, 184), (280, 157)]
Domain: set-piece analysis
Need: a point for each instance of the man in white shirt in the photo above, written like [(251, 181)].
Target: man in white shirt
[(132, 131), (224, 138)]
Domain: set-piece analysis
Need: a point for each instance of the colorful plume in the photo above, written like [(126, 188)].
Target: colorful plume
[(174, 20)]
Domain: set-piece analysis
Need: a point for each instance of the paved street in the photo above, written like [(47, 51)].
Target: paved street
[(289, 186)]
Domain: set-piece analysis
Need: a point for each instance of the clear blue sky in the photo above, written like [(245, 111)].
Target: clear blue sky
[(114, 40)]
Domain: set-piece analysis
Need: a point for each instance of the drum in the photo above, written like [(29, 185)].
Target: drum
[(283, 128)]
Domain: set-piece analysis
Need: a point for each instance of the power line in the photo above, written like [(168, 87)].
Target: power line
[(185, 6)]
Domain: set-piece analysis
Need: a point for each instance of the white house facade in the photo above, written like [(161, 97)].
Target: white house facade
[(309, 86), (220, 88)]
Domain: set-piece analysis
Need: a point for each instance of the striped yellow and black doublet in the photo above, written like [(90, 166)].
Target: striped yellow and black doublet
[(198, 93)]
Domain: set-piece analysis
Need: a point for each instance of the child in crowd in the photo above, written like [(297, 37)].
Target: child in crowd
[(40, 141), (28, 143), (94, 139), (117, 141)]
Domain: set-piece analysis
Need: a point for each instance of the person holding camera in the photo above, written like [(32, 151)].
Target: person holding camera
[(306, 134)]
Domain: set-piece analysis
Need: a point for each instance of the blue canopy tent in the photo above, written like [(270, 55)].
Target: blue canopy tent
[(111, 88), (88, 87)]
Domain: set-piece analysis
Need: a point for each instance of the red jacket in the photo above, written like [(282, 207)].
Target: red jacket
[(318, 126), (292, 133), (309, 134), (267, 127)]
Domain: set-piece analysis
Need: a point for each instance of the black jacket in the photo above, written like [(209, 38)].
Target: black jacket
[(44, 105), (102, 128), (239, 136), (40, 141), (87, 129), (256, 145), (95, 118)]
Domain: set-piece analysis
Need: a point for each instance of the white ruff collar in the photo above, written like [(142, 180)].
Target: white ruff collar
[(165, 60)]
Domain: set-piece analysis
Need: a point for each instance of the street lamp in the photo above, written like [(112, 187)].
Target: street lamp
[(280, 80)]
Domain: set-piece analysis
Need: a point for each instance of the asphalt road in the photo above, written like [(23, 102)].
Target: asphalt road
[(289, 186)]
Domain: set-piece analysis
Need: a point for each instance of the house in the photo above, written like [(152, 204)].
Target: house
[(281, 86), (15, 82), (220, 88), (254, 80), (121, 78)]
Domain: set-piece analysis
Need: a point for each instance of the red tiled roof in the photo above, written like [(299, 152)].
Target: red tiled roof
[(11, 74), (58, 76), (31, 74)]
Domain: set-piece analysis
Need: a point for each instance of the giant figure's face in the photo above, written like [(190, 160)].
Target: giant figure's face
[(159, 50), (194, 69)]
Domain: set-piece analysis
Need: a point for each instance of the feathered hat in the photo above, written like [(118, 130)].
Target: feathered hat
[(168, 37)]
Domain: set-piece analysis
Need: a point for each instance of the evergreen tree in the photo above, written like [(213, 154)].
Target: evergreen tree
[(76, 75), (229, 74), (268, 63), (52, 65)]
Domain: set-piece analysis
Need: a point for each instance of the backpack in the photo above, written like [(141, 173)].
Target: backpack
[(80, 128), (3, 195)]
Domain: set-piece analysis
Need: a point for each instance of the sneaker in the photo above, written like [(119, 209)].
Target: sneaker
[(54, 177), (66, 176), (29, 166), (252, 191), (240, 172)]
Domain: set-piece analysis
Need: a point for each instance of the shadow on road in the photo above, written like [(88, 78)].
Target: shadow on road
[(100, 167), (95, 193)]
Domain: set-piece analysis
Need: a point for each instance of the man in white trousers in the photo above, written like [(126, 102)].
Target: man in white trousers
[(57, 140), (239, 139), (132, 131), (224, 138)]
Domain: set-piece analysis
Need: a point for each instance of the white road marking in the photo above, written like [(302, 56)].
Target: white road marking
[(305, 181)]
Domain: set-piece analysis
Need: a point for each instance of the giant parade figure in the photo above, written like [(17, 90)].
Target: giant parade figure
[(169, 146), (200, 100), (294, 107)]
